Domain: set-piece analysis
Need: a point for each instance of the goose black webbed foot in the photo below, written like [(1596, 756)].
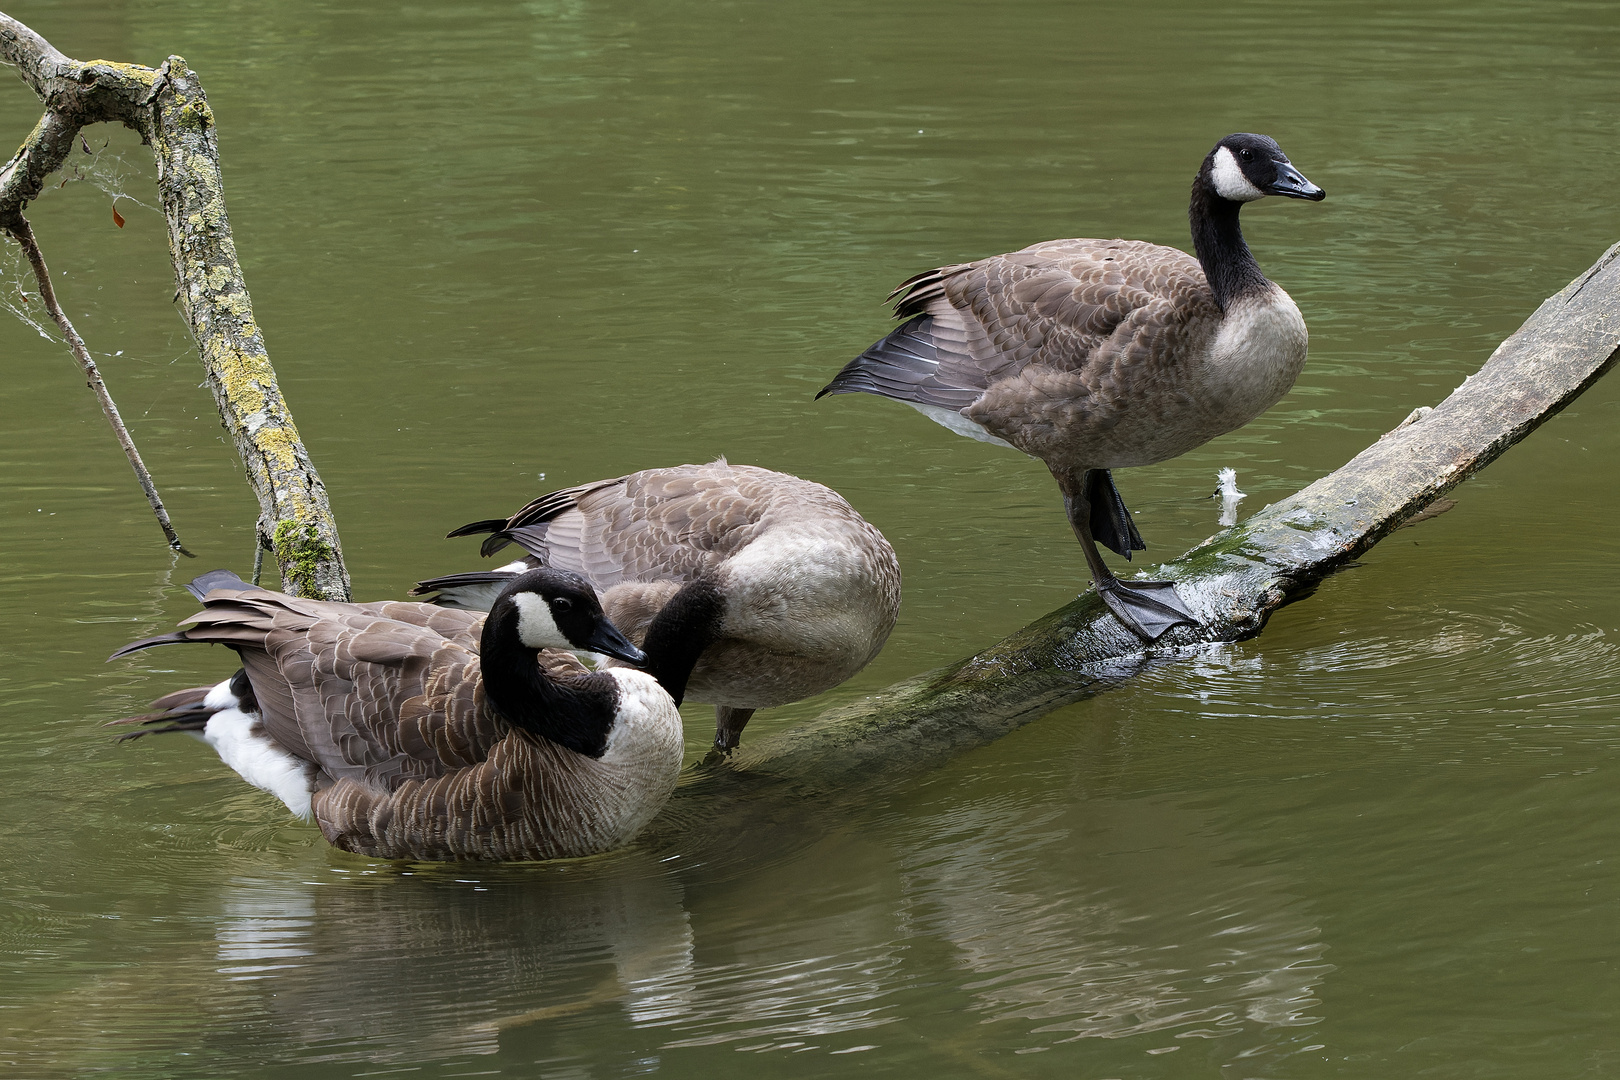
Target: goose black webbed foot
[(1096, 512), (1147, 608)]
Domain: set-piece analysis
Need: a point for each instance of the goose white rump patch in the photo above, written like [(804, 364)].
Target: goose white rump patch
[(239, 740), (958, 423), (479, 597)]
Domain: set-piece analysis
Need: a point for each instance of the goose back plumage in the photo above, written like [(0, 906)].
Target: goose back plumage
[(810, 589), (1082, 353)]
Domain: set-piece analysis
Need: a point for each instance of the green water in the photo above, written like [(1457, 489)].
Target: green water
[(491, 241)]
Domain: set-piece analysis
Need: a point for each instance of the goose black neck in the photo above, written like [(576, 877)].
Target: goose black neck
[(1228, 266), (577, 715), (691, 621)]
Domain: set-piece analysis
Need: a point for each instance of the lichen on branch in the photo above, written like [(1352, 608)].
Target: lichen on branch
[(168, 108)]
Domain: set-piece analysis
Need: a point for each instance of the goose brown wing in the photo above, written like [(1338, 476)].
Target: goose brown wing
[(462, 627), (1058, 305), (378, 693), (466, 628), (676, 523), (381, 701)]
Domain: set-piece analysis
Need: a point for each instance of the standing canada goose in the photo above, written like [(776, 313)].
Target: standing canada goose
[(412, 731), (1094, 355), (807, 589)]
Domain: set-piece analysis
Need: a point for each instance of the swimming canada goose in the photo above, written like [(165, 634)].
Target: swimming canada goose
[(1094, 355), (808, 590), (412, 731)]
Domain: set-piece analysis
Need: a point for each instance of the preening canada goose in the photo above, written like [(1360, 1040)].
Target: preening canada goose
[(1094, 355), (808, 590), (413, 731)]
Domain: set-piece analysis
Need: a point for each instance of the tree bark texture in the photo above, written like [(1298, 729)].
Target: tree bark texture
[(1232, 582), (169, 110)]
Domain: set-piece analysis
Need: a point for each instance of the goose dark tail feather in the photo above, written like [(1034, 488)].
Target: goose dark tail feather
[(458, 581), (186, 710), (474, 528), (494, 543), (176, 638), (182, 710), (903, 366), (531, 538), (199, 587)]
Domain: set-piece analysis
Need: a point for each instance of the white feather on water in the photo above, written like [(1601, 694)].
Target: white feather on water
[(1227, 489)]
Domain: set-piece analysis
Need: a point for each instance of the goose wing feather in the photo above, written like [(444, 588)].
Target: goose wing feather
[(377, 693), (1090, 311), (678, 523), (462, 627)]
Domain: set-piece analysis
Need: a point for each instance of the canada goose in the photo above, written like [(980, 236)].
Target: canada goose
[(413, 731), (809, 589), (1094, 355)]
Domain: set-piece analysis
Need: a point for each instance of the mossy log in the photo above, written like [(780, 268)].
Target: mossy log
[(1233, 582), (167, 107)]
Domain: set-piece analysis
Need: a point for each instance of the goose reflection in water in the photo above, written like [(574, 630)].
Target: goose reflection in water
[(1164, 937), (385, 965)]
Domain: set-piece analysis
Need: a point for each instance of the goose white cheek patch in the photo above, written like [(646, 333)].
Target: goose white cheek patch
[(536, 628), (1230, 183)]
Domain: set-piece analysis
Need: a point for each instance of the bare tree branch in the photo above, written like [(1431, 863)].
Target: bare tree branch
[(24, 235), (168, 108)]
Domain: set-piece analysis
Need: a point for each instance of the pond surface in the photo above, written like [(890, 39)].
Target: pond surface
[(499, 248)]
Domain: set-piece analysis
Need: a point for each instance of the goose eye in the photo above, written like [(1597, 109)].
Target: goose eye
[(1246, 154), (562, 605)]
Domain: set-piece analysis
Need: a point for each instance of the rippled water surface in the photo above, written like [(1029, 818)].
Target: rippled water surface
[(503, 247)]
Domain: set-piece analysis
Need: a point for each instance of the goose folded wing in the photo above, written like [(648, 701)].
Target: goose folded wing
[(529, 525), (676, 523), (373, 699), (1064, 306), (452, 624)]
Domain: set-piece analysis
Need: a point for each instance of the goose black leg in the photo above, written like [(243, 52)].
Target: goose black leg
[(728, 725), (1111, 524), (1146, 608)]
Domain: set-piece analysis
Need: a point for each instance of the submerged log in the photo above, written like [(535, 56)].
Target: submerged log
[(1233, 582), (169, 110)]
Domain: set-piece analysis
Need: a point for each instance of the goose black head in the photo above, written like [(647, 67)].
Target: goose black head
[(1243, 168), (556, 609)]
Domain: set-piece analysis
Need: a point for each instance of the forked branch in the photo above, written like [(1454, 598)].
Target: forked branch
[(169, 110)]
